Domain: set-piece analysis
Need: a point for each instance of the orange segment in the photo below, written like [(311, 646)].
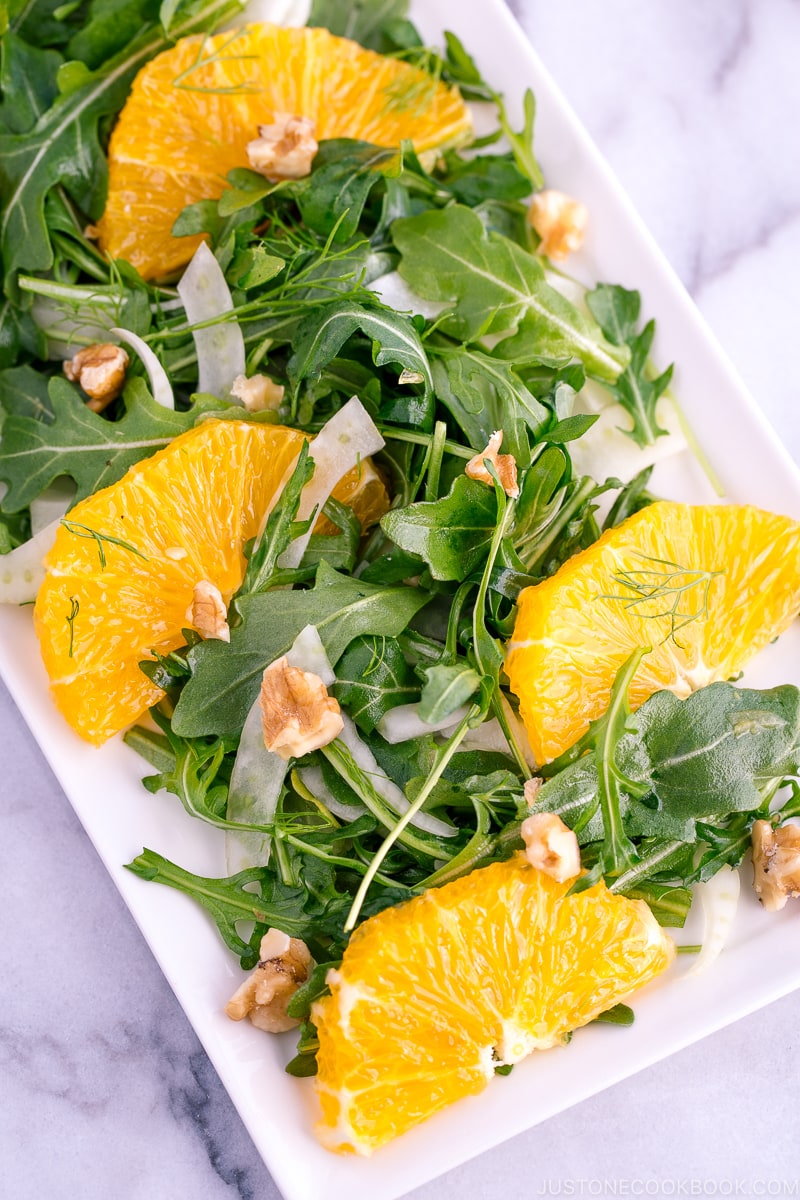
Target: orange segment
[(188, 511), (194, 108), (435, 993), (185, 515), (722, 582)]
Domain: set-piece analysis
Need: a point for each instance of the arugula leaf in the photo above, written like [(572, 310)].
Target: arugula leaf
[(617, 312), (262, 566), (372, 677), (495, 286), (484, 394), (453, 534), (365, 21), (226, 678), (24, 392), (296, 910), (40, 23), (684, 772), (344, 173), (79, 443), (27, 82), (486, 177), (325, 330), (447, 687), (65, 145)]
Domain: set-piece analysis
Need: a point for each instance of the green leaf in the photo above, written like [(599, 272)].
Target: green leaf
[(691, 772), (617, 312), (262, 566), (65, 147), (226, 678), (522, 142), (27, 83), (254, 895), (485, 177), (483, 394), (365, 21), (713, 753), (24, 392), (453, 534), (373, 677), (446, 689), (495, 286), (344, 173), (325, 330), (79, 443)]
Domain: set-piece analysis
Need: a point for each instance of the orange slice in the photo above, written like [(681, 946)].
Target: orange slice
[(434, 994), (183, 515), (706, 587), (194, 108)]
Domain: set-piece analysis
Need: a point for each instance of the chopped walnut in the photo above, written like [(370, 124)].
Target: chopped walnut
[(407, 376), (100, 371), (776, 864), (551, 846), (285, 149), (285, 964), (504, 464), (559, 221), (298, 714), (208, 613), (257, 394)]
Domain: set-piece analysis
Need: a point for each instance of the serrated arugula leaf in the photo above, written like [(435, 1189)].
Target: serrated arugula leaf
[(325, 330), (687, 772), (255, 895), (64, 148), (484, 394), (495, 286), (373, 677), (617, 312), (226, 678), (79, 443), (453, 534)]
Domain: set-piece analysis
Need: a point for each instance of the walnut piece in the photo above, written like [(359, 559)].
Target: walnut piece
[(285, 964), (776, 864), (100, 371), (258, 393), (285, 149), (297, 713), (559, 221), (551, 846), (504, 464), (208, 613)]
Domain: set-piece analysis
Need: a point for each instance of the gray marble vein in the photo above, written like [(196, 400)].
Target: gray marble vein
[(106, 1093)]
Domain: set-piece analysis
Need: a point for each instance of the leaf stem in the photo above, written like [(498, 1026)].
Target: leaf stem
[(443, 758)]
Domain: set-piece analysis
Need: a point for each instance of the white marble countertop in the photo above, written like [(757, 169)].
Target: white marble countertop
[(106, 1090)]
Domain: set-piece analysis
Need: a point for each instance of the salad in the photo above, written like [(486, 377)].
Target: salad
[(415, 648)]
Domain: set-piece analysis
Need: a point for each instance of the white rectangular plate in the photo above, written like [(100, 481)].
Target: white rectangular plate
[(763, 960)]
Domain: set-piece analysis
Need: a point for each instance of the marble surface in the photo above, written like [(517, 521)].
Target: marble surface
[(106, 1091)]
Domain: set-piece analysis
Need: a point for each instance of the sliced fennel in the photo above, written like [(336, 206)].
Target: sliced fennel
[(719, 897), (160, 385), (220, 345), (344, 441)]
